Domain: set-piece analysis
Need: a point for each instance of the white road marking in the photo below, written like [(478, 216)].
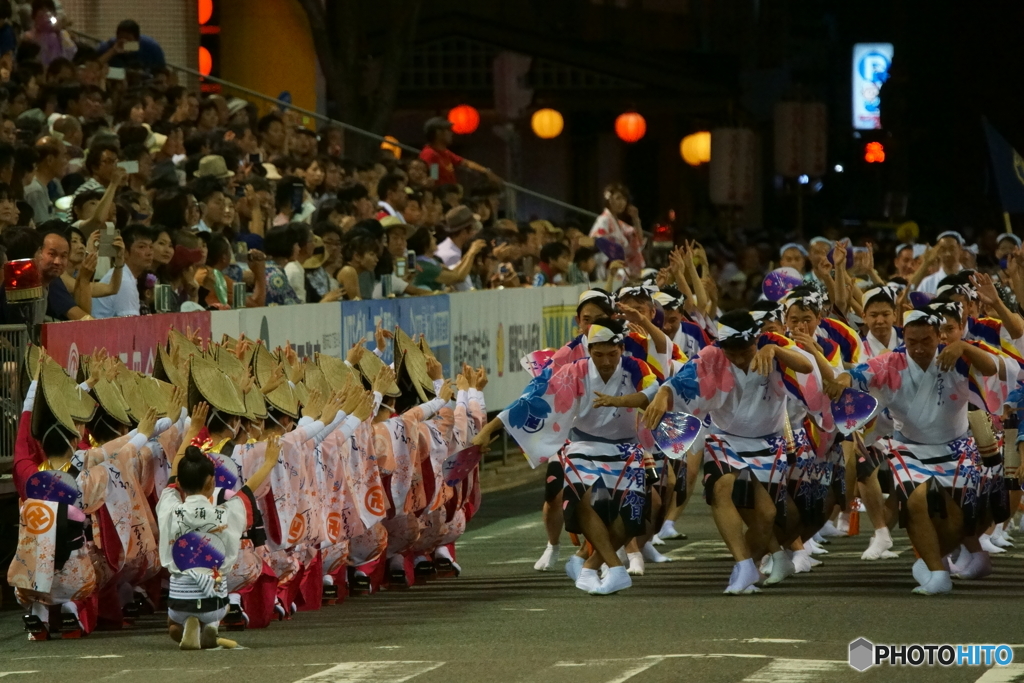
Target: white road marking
[(523, 609), (797, 671), (518, 560), (633, 666), (102, 657), (639, 668), (378, 672), (1003, 674)]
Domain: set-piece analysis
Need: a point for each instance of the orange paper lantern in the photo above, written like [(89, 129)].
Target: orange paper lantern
[(205, 61), (630, 127), (696, 148), (205, 10), (464, 119), (547, 123)]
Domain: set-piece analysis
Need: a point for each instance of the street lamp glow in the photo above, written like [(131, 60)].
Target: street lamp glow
[(839, 168), (803, 180)]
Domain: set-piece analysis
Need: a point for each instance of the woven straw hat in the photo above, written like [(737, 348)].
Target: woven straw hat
[(108, 395), (32, 361), (52, 400), (414, 363), (369, 366), (175, 338), (231, 366), (129, 386), (334, 370), (425, 347), (316, 381), (283, 398), (255, 406), (155, 393), (207, 383), (164, 369)]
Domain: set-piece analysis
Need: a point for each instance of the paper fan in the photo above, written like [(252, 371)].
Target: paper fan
[(459, 465), (920, 299), (196, 550), (853, 410), (849, 256), (223, 476), (54, 486), (535, 361), (613, 250), (778, 282), (676, 433)]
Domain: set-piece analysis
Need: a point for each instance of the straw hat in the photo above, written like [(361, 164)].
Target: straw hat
[(231, 366), (314, 380), (32, 361), (52, 400), (319, 254), (207, 383), (165, 369), (414, 363), (283, 398), (108, 395), (177, 339), (334, 370), (425, 347), (255, 406), (213, 165), (155, 393), (132, 393), (369, 366)]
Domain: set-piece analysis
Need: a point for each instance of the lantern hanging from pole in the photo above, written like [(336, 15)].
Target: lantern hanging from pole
[(464, 119), (547, 123), (391, 144), (630, 127), (696, 148)]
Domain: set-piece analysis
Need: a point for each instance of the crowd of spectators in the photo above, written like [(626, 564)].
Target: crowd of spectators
[(136, 195)]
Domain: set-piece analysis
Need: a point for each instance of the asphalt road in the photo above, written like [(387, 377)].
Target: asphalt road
[(502, 621)]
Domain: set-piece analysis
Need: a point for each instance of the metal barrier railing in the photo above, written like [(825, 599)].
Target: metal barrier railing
[(349, 127), (14, 341)]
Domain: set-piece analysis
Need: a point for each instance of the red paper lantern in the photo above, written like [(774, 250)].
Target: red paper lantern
[(464, 119), (874, 152), (630, 126), (205, 10), (21, 280)]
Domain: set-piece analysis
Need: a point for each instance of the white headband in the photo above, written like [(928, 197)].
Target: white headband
[(599, 334), (725, 332), (917, 315)]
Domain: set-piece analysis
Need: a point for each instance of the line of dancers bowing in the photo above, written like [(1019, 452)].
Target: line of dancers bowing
[(789, 416), (234, 485)]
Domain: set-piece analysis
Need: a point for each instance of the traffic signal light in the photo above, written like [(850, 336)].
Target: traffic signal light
[(874, 153)]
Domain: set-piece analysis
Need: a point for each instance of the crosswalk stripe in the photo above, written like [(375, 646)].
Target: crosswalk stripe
[(1003, 674), (378, 672), (797, 671)]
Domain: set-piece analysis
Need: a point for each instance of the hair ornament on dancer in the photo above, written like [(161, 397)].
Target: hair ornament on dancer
[(1008, 236), (916, 315), (599, 334), (793, 245), (821, 240)]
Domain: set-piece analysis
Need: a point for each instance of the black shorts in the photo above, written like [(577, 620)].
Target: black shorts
[(629, 506), (554, 480)]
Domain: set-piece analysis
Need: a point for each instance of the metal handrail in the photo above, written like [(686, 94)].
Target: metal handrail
[(349, 127)]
